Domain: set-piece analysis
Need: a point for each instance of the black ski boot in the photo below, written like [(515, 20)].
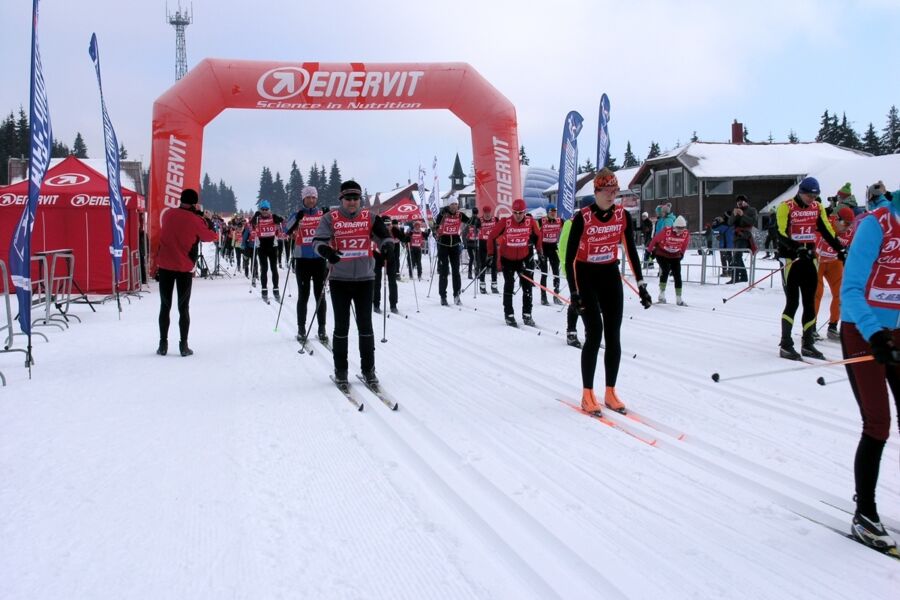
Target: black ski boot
[(444, 301), (323, 337), (572, 339), (526, 319), (809, 347), (494, 289), (394, 310), (376, 308), (265, 296), (511, 321), (163, 347), (482, 288), (787, 343), (340, 377), (544, 301), (456, 300), (301, 338), (183, 348), (277, 295), (556, 299), (871, 533), (371, 378), (833, 333)]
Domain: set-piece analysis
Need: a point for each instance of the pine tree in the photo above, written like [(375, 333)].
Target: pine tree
[(871, 143), (792, 137), (523, 157), (294, 189), (227, 199), (279, 196), (847, 137), (23, 135), (631, 160), (123, 153), (59, 150), (265, 186), (746, 136), (694, 138), (334, 183), (209, 193), (79, 148), (890, 139), (8, 145), (824, 128), (611, 163), (313, 179), (654, 151), (587, 167), (771, 139), (323, 179)]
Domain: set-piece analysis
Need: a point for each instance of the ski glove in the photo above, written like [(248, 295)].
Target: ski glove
[(803, 252), (646, 300), (576, 303), (883, 348), (330, 254), (842, 255)]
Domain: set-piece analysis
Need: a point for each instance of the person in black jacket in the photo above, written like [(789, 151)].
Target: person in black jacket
[(267, 226), (387, 261), (448, 227)]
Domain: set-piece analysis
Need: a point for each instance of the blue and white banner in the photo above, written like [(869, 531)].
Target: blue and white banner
[(434, 202), (603, 133), (422, 196), (116, 205), (41, 141), (568, 166)]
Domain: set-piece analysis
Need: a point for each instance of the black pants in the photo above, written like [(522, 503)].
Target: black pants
[(740, 272), (666, 266), (250, 262), (237, 257), (600, 287), (414, 259), (168, 281), (551, 256), (391, 280), (472, 251), (485, 260), (310, 270), (511, 269), (360, 294), (571, 319), (448, 258), (800, 279), (267, 257)]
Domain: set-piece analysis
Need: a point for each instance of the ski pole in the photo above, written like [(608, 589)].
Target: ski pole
[(287, 282), (415, 294), (431, 281), (821, 380), (629, 284), (384, 305), (252, 271), (724, 300), (483, 269), (315, 313), (548, 290), (829, 363)]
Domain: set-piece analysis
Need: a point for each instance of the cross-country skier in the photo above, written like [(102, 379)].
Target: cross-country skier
[(414, 254), (592, 259), (344, 239), (486, 224), (449, 241), (266, 225), (308, 265), (669, 246), (831, 269), (870, 315), (551, 227), (512, 243), (387, 262)]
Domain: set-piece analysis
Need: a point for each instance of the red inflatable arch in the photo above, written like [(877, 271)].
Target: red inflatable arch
[(180, 114)]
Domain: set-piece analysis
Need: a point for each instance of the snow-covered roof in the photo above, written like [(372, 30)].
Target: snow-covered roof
[(97, 164), (707, 160), (861, 173), (587, 187)]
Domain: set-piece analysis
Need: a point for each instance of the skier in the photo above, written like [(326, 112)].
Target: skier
[(831, 270), (592, 259), (266, 225), (485, 225), (472, 241), (669, 246), (343, 238), (449, 229), (798, 221), (308, 264), (237, 228), (414, 252), (870, 313), (550, 230), (386, 262), (181, 230), (512, 242)]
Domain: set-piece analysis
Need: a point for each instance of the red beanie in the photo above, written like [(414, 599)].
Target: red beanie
[(518, 205)]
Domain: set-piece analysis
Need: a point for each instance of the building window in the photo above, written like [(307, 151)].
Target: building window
[(719, 187), (690, 184), (676, 183), (647, 191), (662, 185)]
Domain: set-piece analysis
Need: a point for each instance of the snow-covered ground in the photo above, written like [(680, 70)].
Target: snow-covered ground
[(241, 472)]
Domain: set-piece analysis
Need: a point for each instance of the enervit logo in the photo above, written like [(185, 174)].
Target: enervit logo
[(282, 83), (7, 199), (67, 179), (892, 245), (407, 208), (80, 200)]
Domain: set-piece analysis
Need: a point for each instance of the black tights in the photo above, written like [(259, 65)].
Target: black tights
[(666, 266), (310, 269), (800, 279), (360, 294), (168, 281), (600, 287)]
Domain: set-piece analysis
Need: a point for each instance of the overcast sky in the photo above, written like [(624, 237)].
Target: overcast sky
[(669, 68)]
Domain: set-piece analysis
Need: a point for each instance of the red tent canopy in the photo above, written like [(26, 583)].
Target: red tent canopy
[(73, 212), (404, 210)]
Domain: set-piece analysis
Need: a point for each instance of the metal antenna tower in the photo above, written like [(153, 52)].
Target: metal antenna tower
[(179, 20)]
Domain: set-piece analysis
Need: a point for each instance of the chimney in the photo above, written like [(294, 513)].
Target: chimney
[(737, 132)]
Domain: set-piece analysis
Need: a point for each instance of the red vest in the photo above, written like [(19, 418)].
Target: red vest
[(266, 227), (472, 233), (825, 251), (802, 226), (306, 229), (675, 243), (517, 234), (352, 237), (883, 286), (487, 225), (550, 230), (450, 225), (416, 239), (600, 241)]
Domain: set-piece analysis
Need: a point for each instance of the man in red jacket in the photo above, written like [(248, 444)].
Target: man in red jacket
[(514, 239), (182, 230)]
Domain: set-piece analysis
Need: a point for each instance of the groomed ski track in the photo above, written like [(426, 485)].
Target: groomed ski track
[(243, 472)]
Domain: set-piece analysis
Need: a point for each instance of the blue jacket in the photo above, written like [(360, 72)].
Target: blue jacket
[(663, 222), (864, 249), (301, 251), (726, 235)]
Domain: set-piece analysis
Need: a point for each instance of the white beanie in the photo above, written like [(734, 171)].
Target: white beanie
[(308, 191), (451, 199), (680, 222)]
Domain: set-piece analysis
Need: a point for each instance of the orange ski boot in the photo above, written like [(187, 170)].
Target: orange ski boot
[(611, 399), (589, 402)]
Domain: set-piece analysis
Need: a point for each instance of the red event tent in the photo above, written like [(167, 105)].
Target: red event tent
[(405, 210), (73, 212)]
